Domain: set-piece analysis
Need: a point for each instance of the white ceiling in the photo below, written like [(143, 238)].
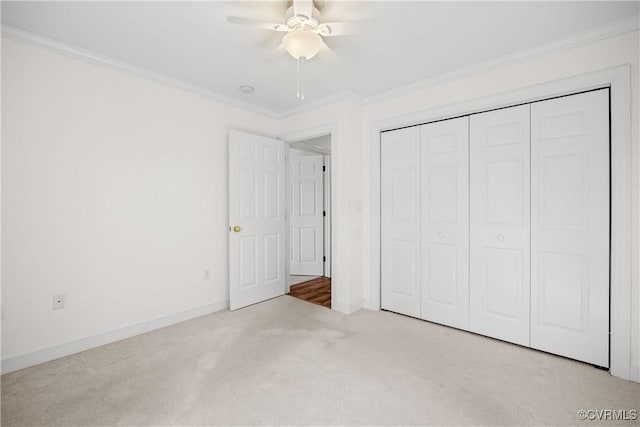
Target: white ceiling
[(405, 42)]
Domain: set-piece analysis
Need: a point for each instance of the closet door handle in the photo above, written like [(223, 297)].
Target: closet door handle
[(500, 238), (441, 234)]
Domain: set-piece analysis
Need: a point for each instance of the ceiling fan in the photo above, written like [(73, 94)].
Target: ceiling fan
[(304, 32)]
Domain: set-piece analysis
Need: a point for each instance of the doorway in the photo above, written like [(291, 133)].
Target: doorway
[(309, 218)]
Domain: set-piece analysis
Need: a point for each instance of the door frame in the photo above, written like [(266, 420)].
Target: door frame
[(326, 194), (618, 79), (302, 135)]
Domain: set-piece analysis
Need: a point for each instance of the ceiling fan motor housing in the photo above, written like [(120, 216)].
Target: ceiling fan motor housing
[(294, 21)]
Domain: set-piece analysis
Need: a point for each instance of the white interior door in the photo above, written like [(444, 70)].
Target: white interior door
[(445, 222), (570, 226), (306, 222), (257, 219), (400, 199), (500, 224)]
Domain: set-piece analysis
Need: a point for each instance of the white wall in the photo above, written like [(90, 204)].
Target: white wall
[(114, 191), (551, 66)]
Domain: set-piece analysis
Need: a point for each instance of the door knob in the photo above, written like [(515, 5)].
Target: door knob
[(441, 234), (236, 228), (500, 237)]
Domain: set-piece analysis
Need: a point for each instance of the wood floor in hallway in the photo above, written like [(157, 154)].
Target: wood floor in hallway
[(317, 291)]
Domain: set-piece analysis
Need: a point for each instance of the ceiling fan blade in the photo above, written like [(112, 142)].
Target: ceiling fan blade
[(303, 7), (273, 55), (270, 40), (330, 29), (255, 23), (327, 55)]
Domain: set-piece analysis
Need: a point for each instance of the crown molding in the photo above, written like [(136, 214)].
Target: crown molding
[(603, 32), (611, 30), (33, 39), (345, 95)]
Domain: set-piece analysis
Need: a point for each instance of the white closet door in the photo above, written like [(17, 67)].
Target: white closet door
[(306, 223), (570, 226), (445, 222), (400, 198), (500, 224)]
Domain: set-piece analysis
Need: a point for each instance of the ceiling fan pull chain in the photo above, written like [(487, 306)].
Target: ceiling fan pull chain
[(298, 78), (302, 61)]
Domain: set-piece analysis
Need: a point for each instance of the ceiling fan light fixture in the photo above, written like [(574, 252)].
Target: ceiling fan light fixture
[(302, 43), (324, 30), (282, 28)]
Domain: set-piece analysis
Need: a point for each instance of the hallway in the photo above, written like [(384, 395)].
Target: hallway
[(316, 291)]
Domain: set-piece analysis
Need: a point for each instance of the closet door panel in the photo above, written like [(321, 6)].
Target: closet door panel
[(570, 226), (400, 200), (500, 224), (444, 222)]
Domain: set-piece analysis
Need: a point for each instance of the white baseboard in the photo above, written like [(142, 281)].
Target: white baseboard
[(24, 361), (369, 306), (634, 374), (346, 308)]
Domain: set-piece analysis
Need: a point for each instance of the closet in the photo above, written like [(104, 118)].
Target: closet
[(498, 223)]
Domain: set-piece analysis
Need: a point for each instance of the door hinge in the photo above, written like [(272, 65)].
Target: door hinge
[(324, 213), (324, 259), (324, 168)]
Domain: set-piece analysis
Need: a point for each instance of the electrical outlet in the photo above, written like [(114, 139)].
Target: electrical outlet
[(207, 274), (58, 301)]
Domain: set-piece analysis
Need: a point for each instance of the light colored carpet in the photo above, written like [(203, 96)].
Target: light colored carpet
[(288, 362)]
